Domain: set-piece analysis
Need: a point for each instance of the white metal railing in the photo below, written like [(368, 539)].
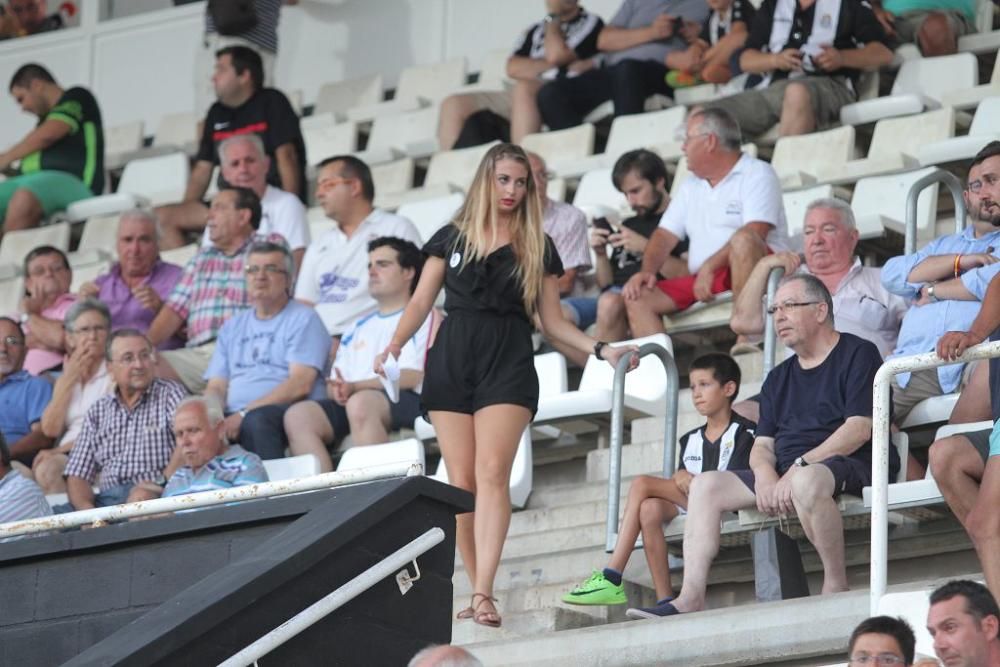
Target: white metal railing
[(102, 515), (880, 452), (323, 607)]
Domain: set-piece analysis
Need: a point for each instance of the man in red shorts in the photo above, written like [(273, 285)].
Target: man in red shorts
[(730, 211)]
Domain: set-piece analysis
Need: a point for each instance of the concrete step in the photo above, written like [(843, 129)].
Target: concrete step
[(534, 598), (565, 495), (554, 518), (520, 625)]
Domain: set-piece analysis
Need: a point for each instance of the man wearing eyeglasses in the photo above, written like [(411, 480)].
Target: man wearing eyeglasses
[(212, 288), (946, 281), (334, 275), (882, 641), (268, 356), (23, 397), (813, 441)]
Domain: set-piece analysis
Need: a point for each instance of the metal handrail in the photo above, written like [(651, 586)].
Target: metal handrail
[(338, 598), (880, 452), (618, 430), (770, 334), (936, 176), (102, 515)]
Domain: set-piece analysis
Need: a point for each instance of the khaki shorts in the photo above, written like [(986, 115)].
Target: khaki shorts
[(908, 24), (922, 385), (759, 110), (491, 100), (190, 364)]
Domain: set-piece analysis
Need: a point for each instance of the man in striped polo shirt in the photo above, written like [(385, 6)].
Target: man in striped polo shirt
[(20, 497)]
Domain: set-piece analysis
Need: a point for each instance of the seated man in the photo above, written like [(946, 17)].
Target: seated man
[(210, 463), (636, 43), (357, 403), (33, 17), (138, 284), (47, 277), (334, 276), (126, 440), (642, 177), (712, 44), (946, 281), (245, 165), (84, 379), (267, 356), (729, 208), (20, 497), (23, 397), (801, 78), (880, 640), (244, 106), (567, 226), (933, 25), (861, 305), (212, 288), (964, 621), (561, 45), (812, 443), (62, 159)]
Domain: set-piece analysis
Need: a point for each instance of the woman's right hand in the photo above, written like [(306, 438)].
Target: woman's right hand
[(380, 359)]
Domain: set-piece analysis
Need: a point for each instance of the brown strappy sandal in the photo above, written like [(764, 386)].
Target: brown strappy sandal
[(483, 617), (468, 612)]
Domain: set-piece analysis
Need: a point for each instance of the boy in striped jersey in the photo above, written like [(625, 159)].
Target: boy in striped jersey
[(723, 443)]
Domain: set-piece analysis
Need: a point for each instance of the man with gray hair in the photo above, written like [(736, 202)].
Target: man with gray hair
[(729, 209), (862, 305), (210, 462), (268, 356), (137, 285), (813, 443)]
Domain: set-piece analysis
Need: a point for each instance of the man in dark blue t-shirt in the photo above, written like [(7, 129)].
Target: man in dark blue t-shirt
[(813, 441)]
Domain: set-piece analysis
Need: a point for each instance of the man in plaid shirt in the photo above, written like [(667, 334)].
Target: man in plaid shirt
[(126, 438), (212, 289)]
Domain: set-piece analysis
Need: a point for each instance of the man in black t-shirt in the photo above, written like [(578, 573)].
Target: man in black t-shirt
[(243, 107), (559, 46), (813, 441), (62, 159), (804, 58), (642, 177)]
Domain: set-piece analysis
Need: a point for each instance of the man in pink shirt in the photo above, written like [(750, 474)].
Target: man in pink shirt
[(46, 300)]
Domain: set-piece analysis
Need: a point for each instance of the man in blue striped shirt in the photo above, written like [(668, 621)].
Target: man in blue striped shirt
[(20, 497), (210, 463)]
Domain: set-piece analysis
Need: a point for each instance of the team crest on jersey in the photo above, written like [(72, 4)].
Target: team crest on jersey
[(455, 259)]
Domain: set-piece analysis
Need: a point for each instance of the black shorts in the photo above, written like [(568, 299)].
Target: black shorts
[(850, 475), (980, 440), (401, 414), (478, 360)]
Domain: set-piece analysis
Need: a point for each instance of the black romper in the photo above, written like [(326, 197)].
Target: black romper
[(482, 354)]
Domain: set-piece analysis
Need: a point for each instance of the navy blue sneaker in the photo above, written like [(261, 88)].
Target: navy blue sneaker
[(662, 608)]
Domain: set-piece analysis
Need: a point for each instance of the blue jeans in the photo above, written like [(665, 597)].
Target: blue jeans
[(116, 495)]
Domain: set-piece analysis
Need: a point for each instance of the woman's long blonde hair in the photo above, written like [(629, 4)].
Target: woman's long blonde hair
[(477, 220)]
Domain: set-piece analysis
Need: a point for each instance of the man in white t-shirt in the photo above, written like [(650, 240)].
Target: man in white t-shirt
[(334, 274), (730, 211), (357, 402), (244, 164)]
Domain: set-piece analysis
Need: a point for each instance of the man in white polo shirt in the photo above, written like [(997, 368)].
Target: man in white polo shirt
[(730, 211), (334, 274)]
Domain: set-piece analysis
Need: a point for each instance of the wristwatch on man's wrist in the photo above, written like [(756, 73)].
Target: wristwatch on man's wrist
[(800, 462), (930, 292)]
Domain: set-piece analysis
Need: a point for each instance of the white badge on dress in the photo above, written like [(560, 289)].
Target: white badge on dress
[(455, 259)]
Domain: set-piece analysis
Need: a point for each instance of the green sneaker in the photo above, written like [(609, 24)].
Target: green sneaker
[(596, 590)]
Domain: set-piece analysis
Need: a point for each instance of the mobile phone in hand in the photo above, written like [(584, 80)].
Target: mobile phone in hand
[(602, 223)]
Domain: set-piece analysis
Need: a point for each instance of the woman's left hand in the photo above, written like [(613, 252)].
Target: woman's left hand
[(613, 354)]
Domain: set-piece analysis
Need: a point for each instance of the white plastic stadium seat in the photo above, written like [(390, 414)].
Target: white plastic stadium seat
[(521, 473), (880, 203), (88, 273), (121, 140), (393, 177), (11, 291), (410, 450), (418, 86), (984, 129), (179, 130), (457, 167), (572, 143), (412, 133), (180, 256), (795, 203), (341, 96), (895, 145), (430, 215), (15, 245), (968, 98), (799, 159), (145, 182), (920, 84), (100, 233), (492, 74), (598, 197), (291, 467), (654, 129), (325, 140)]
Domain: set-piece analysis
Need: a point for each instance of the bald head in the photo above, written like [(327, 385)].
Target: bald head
[(444, 656)]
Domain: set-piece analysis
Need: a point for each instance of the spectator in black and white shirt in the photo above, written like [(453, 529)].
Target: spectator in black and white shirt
[(562, 45)]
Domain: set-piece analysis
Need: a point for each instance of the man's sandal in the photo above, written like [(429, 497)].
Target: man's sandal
[(490, 619)]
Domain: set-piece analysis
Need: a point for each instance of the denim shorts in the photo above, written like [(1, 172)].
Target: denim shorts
[(583, 309)]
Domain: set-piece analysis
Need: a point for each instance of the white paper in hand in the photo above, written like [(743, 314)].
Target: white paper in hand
[(391, 380)]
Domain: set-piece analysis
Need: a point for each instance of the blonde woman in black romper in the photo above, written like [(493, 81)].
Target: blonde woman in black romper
[(480, 390)]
